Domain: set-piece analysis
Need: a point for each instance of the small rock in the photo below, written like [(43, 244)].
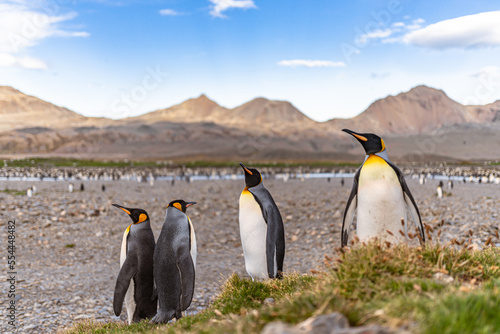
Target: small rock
[(82, 316), (323, 324), (370, 330), (443, 278), (278, 327), (269, 301)]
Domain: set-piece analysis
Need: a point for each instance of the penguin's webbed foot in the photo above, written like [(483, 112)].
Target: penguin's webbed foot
[(162, 317)]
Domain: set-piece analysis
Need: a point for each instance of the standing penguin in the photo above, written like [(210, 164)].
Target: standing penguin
[(135, 281), (380, 195), (261, 229), (175, 263), (439, 189)]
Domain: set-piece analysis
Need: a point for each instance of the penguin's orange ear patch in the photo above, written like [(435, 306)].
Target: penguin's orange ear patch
[(142, 217), (383, 144), (178, 205)]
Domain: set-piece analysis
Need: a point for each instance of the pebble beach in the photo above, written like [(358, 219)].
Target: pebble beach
[(68, 243)]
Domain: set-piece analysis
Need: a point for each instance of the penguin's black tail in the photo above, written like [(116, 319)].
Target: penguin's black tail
[(162, 316)]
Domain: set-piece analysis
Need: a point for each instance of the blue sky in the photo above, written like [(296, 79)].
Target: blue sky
[(329, 58)]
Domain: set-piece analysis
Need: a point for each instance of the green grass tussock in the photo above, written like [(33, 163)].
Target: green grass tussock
[(370, 283)]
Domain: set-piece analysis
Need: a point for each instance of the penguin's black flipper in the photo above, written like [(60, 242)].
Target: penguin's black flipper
[(275, 242), (275, 239), (187, 274), (127, 272), (350, 208), (410, 202)]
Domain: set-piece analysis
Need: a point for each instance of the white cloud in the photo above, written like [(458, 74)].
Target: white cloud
[(8, 60), (376, 34), (22, 27), (487, 71), (311, 63), (379, 75), (220, 6), (465, 32), (392, 34), (169, 12)]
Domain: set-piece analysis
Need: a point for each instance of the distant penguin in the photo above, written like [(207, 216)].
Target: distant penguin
[(450, 184), (29, 192), (379, 196), (175, 263), (82, 187), (103, 188), (261, 229), (421, 180), (33, 187), (135, 282), (440, 190), (70, 187)]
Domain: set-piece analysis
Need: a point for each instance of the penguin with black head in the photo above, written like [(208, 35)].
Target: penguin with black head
[(261, 229), (380, 196), (135, 282), (175, 263)]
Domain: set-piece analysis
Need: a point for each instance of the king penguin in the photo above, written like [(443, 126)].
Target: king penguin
[(261, 229), (135, 282), (379, 196), (175, 263)]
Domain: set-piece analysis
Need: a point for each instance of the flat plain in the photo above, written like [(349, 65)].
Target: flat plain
[(68, 243)]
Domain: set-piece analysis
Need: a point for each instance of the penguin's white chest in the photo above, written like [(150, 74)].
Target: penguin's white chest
[(193, 243), (129, 296), (253, 232), (381, 204)]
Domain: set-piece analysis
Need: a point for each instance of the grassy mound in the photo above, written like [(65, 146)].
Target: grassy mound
[(434, 289)]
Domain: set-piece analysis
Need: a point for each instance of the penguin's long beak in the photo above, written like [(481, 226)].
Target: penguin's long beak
[(188, 204), (123, 208), (356, 135), (246, 169)]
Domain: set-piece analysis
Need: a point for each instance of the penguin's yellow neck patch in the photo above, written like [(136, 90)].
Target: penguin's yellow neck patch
[(374, 160), (376, 168), (127, 231)]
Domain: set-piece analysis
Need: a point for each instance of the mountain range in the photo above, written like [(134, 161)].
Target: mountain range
[(419, 125)]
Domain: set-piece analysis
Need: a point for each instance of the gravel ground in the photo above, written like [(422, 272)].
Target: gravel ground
[(68, 243)]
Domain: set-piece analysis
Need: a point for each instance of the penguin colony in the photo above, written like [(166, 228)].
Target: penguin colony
[(157, 280)]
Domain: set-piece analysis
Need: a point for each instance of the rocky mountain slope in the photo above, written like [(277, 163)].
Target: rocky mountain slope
[(421, 110), (260, 129)]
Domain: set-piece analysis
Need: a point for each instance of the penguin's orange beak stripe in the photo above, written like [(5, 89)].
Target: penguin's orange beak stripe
[(248, 171), (359, 137), (128, 212)]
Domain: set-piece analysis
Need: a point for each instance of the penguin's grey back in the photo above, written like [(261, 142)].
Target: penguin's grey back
[(139, 244), (173, 266)]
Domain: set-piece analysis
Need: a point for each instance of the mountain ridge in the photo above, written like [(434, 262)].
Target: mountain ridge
[(260, 129)]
